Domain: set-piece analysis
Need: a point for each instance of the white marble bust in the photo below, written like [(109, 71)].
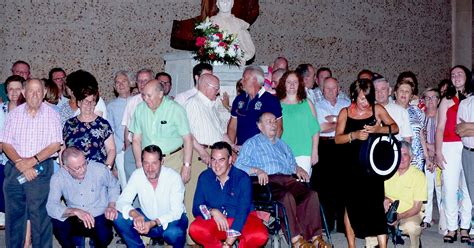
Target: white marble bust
[(227, 21)]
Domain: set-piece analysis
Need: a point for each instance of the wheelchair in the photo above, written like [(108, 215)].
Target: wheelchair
[(263, 201)]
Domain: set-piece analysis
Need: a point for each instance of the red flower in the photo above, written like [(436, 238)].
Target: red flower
[(200, 41), (220, 36), (222, 44), (212, 56)]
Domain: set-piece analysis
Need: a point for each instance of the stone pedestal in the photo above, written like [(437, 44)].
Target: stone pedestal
[(180, 66)]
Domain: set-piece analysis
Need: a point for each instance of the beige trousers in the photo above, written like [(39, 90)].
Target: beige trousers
[(411, 227), (175, 161)]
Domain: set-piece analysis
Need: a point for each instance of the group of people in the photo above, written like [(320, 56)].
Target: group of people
[(170, 168)]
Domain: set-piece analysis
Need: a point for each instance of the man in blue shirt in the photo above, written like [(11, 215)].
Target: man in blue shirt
[(222, 205), (271, 160), (248, 106), (90, 191)]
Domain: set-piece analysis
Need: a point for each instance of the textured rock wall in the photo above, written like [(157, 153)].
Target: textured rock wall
[(104, 36)]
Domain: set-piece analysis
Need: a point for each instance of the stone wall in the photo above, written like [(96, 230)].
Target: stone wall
[(104, 36)]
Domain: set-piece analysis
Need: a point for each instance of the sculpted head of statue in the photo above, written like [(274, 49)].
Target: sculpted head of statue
[(225, 6)]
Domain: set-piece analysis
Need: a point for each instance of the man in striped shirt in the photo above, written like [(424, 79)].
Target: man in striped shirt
[(271, 160), (31, 138)]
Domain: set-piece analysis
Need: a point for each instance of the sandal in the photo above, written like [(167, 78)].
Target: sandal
[(465, 238), (425, 225), (301, 243), (450, 238), (319, 242)]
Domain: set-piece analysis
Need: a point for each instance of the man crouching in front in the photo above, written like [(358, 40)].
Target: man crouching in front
[(160, 192)]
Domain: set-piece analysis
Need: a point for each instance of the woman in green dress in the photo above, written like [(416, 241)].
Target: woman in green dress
[(300, 125)]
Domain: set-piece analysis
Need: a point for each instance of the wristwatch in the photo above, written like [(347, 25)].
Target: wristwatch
[(187, 164)]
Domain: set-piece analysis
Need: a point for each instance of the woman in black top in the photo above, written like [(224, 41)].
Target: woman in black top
[(364, 194)]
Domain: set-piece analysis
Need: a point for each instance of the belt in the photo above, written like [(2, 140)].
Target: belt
[(326, 138), (469, 149), (173, 152)]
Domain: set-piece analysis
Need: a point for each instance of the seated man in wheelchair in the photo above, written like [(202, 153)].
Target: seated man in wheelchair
[(408, 186), (223, 203), (272, 161)]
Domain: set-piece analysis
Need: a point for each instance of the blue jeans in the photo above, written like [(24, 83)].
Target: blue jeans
[(174, 235), (27, 201)]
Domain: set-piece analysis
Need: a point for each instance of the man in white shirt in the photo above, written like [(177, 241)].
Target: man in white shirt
[(198, 70), (160, 192), (325, 171), (143, 76), (203, 117), (206, 128), (398, 113), (465, 129)]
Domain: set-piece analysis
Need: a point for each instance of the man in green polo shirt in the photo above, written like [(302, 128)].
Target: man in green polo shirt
[(162, 122)]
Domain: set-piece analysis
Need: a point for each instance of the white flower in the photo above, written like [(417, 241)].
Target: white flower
[(204, 25), (220, 51), (231, 52), (213, 44)]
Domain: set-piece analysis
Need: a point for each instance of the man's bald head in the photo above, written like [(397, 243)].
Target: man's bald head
[(34, 92), (153, 94), (209, 86)]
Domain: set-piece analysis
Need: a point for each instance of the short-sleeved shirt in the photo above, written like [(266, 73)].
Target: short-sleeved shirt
[(90, 137), (299, 127), (247, 111), (165, 127), (466, 113), (273, 158), (130, 108), (115, 111), (204, 119), (325, 108), (407, 188), (183, 97), (29, 135)]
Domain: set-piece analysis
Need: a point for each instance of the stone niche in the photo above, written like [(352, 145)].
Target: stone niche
[(104, 36)]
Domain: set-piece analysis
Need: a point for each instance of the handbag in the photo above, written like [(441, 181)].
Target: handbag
[(380, 154)]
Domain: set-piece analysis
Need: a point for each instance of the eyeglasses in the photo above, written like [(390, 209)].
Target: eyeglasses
[(430, 98), (86, 102), (213, 86), (78, 169)]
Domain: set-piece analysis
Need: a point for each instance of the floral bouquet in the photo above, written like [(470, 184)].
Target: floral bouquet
[(215, 45)]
